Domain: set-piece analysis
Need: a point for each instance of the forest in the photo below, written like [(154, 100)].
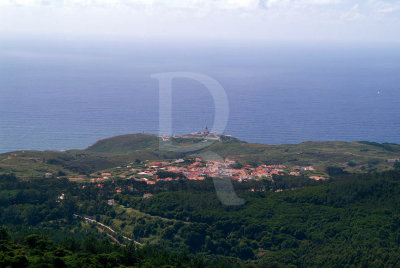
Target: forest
[(350, 219)]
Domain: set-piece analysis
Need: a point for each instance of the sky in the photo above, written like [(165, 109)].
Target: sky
[(224, 20)]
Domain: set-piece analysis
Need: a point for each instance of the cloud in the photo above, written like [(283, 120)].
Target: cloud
[(324, 2), (206, 19), (221, 4), (224, 4), (371, 6)]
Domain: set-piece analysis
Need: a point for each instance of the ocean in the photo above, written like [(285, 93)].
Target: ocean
[(66, 94)]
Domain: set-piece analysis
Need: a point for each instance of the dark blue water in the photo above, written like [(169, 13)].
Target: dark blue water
[(63, 95)]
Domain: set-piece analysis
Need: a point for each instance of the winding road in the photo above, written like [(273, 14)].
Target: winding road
[(107, 227)]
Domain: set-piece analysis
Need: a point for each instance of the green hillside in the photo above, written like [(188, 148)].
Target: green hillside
[(119, 150), (130, 143), (352, 156)]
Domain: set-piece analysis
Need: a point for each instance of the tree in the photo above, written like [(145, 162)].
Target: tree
[(4, 234), (61, 173), (335, 171), (37, 241), (352, 164), (396, 165)]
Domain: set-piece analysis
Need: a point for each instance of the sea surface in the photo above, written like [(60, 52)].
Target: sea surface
[(66, 94)]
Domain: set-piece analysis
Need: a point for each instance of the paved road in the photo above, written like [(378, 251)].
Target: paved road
[(106, 227)]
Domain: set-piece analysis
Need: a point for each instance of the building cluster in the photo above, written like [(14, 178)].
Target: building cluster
[(204, 135), (198, 169)]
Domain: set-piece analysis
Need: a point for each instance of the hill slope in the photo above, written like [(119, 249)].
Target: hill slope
[(119, 150), (125, 144), (354, 156)]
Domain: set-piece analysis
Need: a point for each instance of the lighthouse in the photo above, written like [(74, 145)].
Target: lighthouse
[(206, 132)]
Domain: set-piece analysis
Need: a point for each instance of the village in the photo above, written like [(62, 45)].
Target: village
[(198, 170)]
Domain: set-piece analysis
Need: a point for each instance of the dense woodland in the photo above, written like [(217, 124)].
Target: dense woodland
[(34, 250), (351, 219)]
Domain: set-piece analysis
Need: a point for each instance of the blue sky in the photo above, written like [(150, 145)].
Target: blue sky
[(226, 20)]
